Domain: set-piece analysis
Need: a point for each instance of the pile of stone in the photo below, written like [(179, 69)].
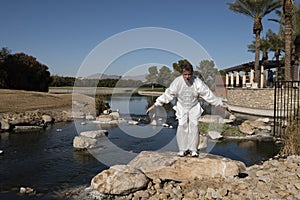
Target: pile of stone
[(24, 121), (162, 175)]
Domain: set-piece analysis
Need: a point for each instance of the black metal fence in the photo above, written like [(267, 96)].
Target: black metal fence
[(286, 105)]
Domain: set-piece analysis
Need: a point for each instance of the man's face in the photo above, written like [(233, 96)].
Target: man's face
[(187, 75)]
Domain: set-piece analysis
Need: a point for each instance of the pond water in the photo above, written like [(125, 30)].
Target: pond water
[(47, 162)]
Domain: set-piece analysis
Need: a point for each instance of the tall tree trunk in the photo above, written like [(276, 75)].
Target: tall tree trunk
[(287, 8), (288, 38), (257, 52), (277, 54)]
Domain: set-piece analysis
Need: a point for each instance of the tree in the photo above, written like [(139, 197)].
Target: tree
[(165, 76), (3, 67), (4, 53), (152, 76), (100, 104), (276, 42), (289, 20), (264, 47), (296, 28), (24, 72), (207, 72), (296, 20), (288, 13), (256, 10)]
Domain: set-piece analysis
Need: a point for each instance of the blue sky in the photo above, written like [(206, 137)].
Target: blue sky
[(62, 33)]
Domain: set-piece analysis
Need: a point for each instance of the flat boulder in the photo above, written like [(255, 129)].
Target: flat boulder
[(148, 161), (177, 168)]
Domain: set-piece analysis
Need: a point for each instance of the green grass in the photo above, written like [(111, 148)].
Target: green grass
[(153, 90), (224, 129)]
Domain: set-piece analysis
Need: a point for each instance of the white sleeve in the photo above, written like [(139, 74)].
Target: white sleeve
[(204, 92), (168, 95)]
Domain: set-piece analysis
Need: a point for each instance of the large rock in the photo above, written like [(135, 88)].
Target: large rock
[(249, 127), (185, 168), (47, 119), (215, 135), (4, 125), (119, 180), (94, 134), (115, 115), (82, 142)]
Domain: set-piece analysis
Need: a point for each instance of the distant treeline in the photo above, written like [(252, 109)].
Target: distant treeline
[(60, 81), (22, 72)]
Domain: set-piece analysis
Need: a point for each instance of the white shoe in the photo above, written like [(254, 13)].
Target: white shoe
[(181, 153), (195, 154)]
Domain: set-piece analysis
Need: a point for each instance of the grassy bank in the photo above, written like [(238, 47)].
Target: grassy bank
[(20, 100)]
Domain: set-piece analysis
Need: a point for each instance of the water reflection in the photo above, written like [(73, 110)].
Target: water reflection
[(250, 152), (82, 157), (44, 161)]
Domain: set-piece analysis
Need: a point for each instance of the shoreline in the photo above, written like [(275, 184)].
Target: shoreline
[(61, 108)]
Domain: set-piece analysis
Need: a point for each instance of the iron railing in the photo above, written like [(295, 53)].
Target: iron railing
[(286, 106)]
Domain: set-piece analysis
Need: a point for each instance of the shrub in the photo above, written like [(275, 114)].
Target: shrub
[(292, 139), (100, 104)]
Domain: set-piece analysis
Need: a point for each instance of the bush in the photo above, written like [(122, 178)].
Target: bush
[(100, 104), (292, 139)]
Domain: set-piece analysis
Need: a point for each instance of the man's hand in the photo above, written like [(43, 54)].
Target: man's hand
[(225, 106), (150, 108)]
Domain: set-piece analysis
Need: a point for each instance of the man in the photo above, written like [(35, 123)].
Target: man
[(187, 89)]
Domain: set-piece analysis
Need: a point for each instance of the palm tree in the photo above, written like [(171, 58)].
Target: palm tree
[(256, 10), (265, 46), (276, 41), (289, 21), (288, 13), (296, 33), (296, 20)]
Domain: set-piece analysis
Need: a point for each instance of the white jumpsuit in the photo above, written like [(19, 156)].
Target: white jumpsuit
[(188, 109)]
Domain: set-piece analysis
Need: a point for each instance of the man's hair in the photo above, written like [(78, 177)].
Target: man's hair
[(187, 67)]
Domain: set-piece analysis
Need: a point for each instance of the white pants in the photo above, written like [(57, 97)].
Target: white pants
[(187, 132)]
